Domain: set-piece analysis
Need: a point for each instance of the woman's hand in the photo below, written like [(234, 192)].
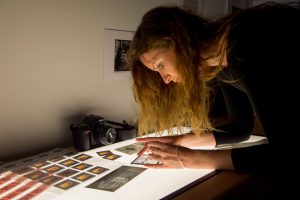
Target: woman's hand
[(164, 139), (174, 156), (168, 155), (187, 140)]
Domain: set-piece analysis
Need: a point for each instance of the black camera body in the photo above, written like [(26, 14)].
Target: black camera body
[(94, 131)]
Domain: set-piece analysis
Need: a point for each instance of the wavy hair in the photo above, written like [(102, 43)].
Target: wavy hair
[(164, 106)]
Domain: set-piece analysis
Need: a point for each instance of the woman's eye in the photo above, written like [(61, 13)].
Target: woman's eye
[(160, 65)]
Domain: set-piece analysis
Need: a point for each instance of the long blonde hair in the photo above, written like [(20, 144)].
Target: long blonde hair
[(164, 106)]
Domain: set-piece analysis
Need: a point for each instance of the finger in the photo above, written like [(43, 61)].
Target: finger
[(157, 145), (143, 150), (155, 156), (147, 139), (155, 166), (154, 150)]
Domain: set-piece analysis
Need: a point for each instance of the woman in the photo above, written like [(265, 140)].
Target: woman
[(253, 55)]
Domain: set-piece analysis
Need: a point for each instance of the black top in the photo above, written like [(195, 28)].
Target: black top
[(263, 60)]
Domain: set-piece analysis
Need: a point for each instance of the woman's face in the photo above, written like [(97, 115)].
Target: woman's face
[(162, 61)]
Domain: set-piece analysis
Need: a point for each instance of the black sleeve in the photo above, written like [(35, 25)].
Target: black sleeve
[(267, 50), (240, 115), (255, 159)]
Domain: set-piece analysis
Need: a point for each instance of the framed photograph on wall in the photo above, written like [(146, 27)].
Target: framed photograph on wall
[(116, 44)]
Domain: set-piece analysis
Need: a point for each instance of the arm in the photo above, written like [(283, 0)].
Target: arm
[(206, 159), (173, 156), (241, 118), (187, 140), (190, 140)]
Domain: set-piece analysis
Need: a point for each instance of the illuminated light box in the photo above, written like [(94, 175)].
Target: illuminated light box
[(106, 172), (146, 183)]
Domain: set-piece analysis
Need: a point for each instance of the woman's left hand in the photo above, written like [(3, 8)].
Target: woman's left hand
[(168, 155)]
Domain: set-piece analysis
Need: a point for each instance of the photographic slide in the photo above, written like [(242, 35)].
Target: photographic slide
[(82, 166), (82, 157), (36, 175), (112, 157), (144, 159), (104, 153), (67, 172), (83, 176), (52, 169), (117, 178), (49, 180), (39, 164), (108, 155), (68, 162), (56, 158), (70, 153), (66, 184), (98, 170), (131, 149)]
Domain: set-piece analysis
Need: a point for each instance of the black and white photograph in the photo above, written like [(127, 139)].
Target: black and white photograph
[(144, 159), (121, 49), (117, 178), (115, 47)]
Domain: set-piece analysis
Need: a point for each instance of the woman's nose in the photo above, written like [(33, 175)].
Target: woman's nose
[(166, 78)]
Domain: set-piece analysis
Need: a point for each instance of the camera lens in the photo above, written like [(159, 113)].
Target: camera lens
[(105, 135)]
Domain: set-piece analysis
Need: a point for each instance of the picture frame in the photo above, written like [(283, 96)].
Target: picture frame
[(115, 46)]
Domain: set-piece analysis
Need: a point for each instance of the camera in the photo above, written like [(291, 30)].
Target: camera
[(94, 131)]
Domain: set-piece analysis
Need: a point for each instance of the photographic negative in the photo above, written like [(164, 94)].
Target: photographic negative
[(117, 178), (35, 192)]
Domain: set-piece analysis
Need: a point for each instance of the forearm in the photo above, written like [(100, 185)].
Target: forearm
[(190, 140), (206, 159)]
